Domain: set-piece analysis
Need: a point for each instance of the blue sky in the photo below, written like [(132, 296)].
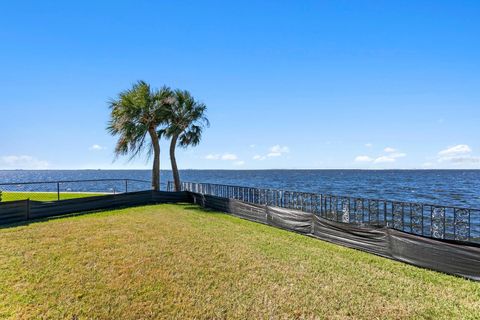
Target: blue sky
[(288, 84)]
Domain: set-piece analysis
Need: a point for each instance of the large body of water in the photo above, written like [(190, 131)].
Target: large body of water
[(442, 187)]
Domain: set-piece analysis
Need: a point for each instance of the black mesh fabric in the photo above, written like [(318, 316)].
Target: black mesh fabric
[(451, 257)]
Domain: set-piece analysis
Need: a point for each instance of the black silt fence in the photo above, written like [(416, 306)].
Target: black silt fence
[(26, 210), (448, 256), (428, 220)]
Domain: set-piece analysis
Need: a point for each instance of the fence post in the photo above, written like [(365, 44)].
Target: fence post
[(126, 185), (28, 209), (58, 190), (312, 212)]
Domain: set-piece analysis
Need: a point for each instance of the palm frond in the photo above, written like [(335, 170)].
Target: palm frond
[(186, 119), (133, 113)]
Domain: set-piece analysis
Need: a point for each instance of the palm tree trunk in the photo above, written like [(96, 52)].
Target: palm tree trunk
[(176, 175), (156, 159)]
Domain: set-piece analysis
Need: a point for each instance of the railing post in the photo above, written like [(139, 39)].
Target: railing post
[(126, 185), (322, 210), (469, 225), (58, 190)]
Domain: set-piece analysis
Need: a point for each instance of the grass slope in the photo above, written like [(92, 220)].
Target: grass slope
[(43, 196), (177, 261)]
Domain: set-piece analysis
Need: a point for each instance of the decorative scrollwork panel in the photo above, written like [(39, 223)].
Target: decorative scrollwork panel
[(359, 211), (373, 212), (397, 215), (416, 218), (462, 224), (345, 203), (332, 212), (438, 222)]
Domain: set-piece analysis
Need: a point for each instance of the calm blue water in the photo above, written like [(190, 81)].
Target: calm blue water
[(443, 187)]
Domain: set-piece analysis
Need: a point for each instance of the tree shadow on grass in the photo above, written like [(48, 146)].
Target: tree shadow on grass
[(198, 208)]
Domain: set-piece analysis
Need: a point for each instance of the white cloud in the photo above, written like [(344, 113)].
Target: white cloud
[(239, 163), (458, 155), (277, 151), (465, 159), (278, 148), (397, 155), (229, 157), (363, 159), (212, 156), (224, 157), (274, 151), (22, 162), (96, 147), (274, 154), (368, 145), (253, 146), (455, 150), (384, 159), (259, 157), (391, 156)]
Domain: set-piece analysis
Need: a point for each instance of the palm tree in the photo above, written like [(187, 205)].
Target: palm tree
[(134, 114), (185, 122)]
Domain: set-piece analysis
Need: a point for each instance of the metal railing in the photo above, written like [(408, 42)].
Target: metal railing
[(68, 189), (435, 221)]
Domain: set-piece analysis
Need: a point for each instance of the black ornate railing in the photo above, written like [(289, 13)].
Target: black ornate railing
[(435, 221)]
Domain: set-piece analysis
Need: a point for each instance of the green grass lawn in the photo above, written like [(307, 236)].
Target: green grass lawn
[(178, 261), (44, 196)]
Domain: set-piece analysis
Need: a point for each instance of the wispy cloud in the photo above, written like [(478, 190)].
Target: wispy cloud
[(273, 152), (229, 156), (384, 159), (212, 156), (225, 157), (259, 157), (455, 150), (391, 155), (363, 159), (96, 147), (465, 159), (278, 150), (22, 162), (459, 154), (369, 145), (239, 163), (398, 155)]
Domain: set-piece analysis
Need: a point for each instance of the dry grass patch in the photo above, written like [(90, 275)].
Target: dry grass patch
[(178, 261)]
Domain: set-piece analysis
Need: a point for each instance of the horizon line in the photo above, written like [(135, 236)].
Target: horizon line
[(240, 169)]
